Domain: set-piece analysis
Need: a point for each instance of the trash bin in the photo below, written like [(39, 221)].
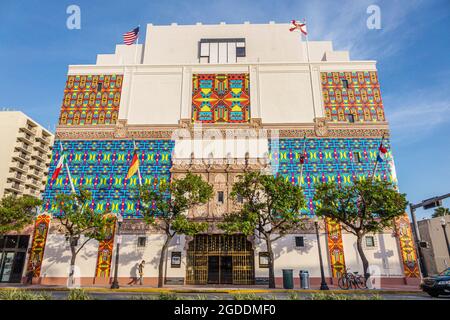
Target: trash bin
[(288, 279), (304, 279)]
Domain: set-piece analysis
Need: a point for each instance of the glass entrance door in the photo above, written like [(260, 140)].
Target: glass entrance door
[(6, 267)]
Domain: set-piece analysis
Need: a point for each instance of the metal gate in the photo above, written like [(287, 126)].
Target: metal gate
[(207, 252)]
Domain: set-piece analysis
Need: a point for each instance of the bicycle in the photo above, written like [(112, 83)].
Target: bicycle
[(352, 280)]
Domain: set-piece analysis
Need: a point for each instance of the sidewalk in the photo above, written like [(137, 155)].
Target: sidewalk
[(211, 289)]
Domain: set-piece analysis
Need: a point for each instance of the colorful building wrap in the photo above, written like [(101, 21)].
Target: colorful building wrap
[(361, 98), (40, 232), (105, 250), (408, 250), (221, 98), (335, 247), (91, 100), (342, 160), (101, 167)]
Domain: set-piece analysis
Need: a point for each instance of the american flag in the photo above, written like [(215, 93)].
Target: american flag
[(131, 36)]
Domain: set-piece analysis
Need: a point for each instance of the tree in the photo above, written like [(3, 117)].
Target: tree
[(165, 208), (440, 212), (17, 212), (78, 219), (365, 207), (270, 208)]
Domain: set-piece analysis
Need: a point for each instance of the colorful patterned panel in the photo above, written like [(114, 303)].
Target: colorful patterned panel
[(342, 160), (101, 167), (91, 100), (335, 247), (40, 232), (220, 98), (407, 247), (105, 251), (336, 159), (361, 98)]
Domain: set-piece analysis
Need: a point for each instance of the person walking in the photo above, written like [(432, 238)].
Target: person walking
[(141, 272)]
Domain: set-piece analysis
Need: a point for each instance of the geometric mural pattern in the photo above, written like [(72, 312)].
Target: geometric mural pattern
[(335, 247), (221, 98), (342, 160), (404, 234), (101, 167), (41, 227), (105, 249), (91, 100), (360, 98)]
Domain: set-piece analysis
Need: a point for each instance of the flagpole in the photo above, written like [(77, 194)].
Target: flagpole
[(310, 68), (302, 155), (138, 170), (137, 44), (67, 168), (376, 159)]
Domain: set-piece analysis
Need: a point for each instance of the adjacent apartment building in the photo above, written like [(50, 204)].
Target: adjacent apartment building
[(24, 160), (436, 232), (217, 100)]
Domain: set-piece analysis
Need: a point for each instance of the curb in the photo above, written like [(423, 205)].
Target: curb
[(223, 291)]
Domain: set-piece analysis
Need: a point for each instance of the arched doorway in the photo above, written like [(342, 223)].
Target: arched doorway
[(220, 259)]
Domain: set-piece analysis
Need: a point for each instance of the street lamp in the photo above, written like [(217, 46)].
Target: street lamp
[(443, 224), (115, 283), (323, 283)]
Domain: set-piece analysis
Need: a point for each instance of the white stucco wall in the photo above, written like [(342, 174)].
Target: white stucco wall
[(57, 257), (385, 255), (287, 256)]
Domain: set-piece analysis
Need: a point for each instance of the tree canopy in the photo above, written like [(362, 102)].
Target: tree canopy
[(17, 212)]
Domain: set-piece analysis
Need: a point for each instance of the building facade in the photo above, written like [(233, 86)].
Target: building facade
[(436, 254), (24, 162), (217, 100)]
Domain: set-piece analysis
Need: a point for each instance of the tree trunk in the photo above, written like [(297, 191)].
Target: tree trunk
[(365, 262), (72, 264), (271, 263), (162, 259)]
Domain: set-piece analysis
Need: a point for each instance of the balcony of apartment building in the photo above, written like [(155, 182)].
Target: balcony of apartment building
[(20, 156), (25, 136), (39, 155), (29, 127), (31, 190), (41, 147), (37, 163), (18, 177), (43, 139), (14, 187), (22, 146), (33, 182), (35, 173), (19, 166)]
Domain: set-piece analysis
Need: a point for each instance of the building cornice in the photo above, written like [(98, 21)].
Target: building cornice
[(320, 128)]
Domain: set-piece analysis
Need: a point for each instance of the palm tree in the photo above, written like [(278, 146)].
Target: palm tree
[(441, 211)]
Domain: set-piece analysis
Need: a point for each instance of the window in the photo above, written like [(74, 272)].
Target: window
[(370, 241), (141, 242), (175, 261), (357, 156), (345, 84), (239, 198), (351, 118), (99, 86), (299, 242), (263, 259), (220, 197), (221, 50)]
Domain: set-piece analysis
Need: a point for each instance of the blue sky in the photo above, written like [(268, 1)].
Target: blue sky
[(412, 49)]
